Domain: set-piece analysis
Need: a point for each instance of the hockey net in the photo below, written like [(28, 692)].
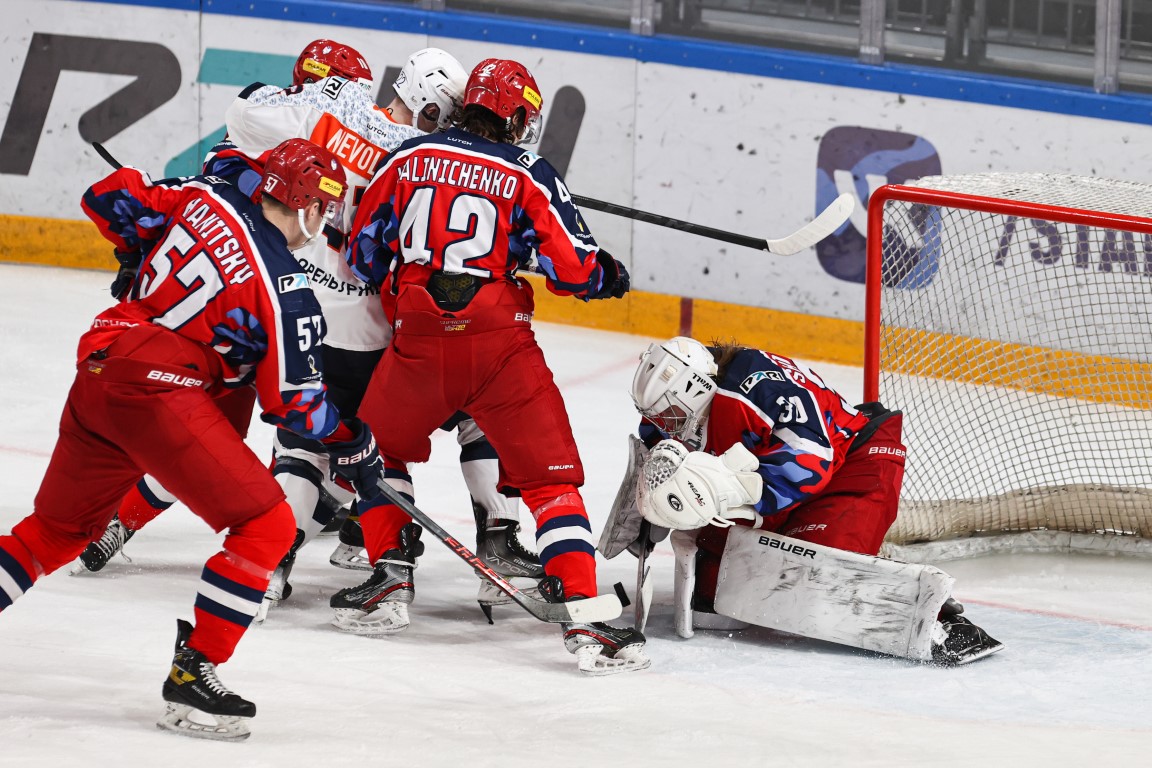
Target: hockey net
[(1010, 317)]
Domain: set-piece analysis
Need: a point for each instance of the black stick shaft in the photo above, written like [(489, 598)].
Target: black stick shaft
[(666, 221)]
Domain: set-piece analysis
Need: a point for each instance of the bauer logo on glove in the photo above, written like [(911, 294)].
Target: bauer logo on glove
[(685, 489)]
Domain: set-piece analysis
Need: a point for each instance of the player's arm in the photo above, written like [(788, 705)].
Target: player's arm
[(566, 252), (226, 161), (373, 241), (781, 422), (129, 209)]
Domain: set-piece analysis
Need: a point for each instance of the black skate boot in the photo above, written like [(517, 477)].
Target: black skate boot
[(193, 687), (600, 649), (278, 586), (97, 554), (379, 606), (349, 553), (958, 641), (499, 546)]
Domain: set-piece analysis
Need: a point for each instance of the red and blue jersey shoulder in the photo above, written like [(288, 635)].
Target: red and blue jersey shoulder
[(457, 202), (226, 161), (214, 270), (783, 412)]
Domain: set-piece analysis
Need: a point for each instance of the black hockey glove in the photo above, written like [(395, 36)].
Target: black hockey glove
[(126, 275), (357, 460), (616, 279)]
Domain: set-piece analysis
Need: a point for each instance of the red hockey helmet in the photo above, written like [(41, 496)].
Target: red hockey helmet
[(299, 171), (324, 58), (503, 86)]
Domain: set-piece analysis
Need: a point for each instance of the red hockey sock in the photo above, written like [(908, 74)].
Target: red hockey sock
[(137, 510), (564, 537), (234, 580)]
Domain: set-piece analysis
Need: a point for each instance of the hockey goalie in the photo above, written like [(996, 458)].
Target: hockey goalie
[(778, 494)]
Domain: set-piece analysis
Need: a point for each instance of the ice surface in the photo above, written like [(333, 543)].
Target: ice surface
[(82, 658)]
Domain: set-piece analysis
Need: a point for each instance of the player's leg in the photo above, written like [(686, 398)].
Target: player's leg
[(148, 498), (497, 516), (523, 413), (402, 411), (86, 476), (205, 462)]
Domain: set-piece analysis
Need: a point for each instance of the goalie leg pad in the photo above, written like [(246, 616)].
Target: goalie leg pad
[(829, 594)]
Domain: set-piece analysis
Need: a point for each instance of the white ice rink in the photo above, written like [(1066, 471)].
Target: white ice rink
[(82, 658)]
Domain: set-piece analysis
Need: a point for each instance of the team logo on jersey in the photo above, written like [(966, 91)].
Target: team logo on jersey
[(333, 86), (293, 282), (528, 159), (757, 377)]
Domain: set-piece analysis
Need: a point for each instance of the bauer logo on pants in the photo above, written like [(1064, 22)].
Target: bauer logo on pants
[(860, 160)]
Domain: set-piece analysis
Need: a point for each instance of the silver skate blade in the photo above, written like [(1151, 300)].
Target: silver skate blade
[(386, 619), (350, 558), (188, 721), (591, 661)]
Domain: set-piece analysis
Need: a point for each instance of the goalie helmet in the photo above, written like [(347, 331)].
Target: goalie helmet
[(674, 385), (432, 77), (299, 171), (504, 87), (324, 58)]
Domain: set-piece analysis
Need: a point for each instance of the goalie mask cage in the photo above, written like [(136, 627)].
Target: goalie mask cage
[(1010, 317)]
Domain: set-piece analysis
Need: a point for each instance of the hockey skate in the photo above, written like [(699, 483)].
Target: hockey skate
[(278, 586), (349, 553), (199, 705), (600, 649), (97, 554), (498, 545), (379, 606), (956, 641)]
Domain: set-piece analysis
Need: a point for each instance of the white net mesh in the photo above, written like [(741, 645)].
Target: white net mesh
[(1018, 342)]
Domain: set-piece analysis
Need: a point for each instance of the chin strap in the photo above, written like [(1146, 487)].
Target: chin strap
[(304, 229)]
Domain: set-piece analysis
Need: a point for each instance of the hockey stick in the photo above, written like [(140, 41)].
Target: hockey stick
[(600, 608), (106, 155), (827, 222)]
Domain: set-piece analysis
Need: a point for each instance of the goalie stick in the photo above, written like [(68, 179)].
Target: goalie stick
[(602, 608), (825, 223)]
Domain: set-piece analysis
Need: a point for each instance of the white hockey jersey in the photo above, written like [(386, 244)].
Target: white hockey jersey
[(342, 117)]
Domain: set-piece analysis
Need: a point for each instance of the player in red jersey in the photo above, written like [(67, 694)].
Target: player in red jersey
[(319, 59), (219, 302), (444, 225), (747, 437)]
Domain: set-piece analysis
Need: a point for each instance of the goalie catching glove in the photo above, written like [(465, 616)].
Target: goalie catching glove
[(685, 489)]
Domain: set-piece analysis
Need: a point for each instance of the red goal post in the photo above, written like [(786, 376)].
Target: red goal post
[(1010, 317)]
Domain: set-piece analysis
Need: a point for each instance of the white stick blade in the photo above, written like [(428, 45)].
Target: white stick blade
[(602, 608), (827, 222)]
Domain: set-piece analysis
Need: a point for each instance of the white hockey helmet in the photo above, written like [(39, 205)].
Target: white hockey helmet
[(674, 385), (432, 76)]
